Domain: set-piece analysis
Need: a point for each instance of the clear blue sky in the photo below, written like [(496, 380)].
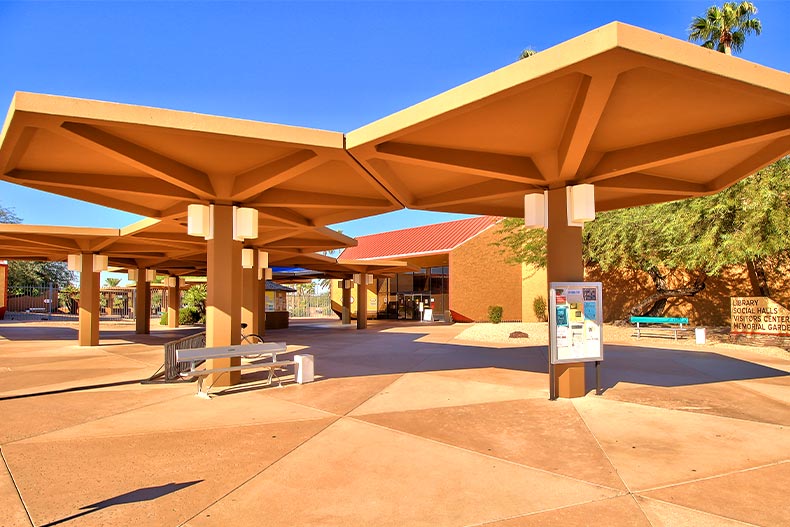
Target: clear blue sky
[(331, 65)]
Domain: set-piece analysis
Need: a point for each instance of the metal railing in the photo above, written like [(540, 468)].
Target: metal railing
[(117, 303), (172, 369), (309, 306)]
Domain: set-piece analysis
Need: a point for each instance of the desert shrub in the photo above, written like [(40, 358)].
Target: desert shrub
[(495, 314), (539, 307)]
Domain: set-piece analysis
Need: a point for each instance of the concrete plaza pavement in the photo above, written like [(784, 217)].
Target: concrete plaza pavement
[(406, 425)]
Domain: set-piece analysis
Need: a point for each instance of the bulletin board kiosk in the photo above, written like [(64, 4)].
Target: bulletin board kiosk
[(575, 327)]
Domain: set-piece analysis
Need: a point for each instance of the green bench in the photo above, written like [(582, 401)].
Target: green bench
[(673, 324)]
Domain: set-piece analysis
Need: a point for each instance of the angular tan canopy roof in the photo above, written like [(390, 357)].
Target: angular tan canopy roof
[(161, 245), (155, 162), (644, 117)]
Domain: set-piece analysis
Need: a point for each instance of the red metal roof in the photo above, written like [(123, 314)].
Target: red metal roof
[(416, 241)]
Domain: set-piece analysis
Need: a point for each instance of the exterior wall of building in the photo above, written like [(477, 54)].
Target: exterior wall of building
[(479, 277), (336, 295), (710, 307), (533, 282)]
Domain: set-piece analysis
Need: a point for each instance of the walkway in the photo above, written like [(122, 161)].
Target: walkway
[(407, 427)]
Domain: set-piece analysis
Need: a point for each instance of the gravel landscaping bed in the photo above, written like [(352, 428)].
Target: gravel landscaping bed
[(538, 335)]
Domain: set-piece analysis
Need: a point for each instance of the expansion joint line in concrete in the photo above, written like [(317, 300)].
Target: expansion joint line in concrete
[(16, 487), (275, 462), (264, 469)]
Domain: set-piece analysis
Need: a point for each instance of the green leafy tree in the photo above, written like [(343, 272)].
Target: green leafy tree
[(725, 28), (680, 244), (111, 282), (8, 216), (525, 54)]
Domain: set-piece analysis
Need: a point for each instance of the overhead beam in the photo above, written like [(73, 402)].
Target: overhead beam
[(591, 98), (295, 198), (248, 184), (110, 183), (141, 158), (473, 193), (760, 159), (98, 199), (638, 183), (507, 167), (42, 240), (287, 216), (647, 156)]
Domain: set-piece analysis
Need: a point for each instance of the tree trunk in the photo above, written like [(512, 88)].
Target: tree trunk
[(757, 277), (653, 305)]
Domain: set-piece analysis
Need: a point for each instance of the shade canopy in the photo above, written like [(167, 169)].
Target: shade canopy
[(644, 117), (156, 162), (161, 245)]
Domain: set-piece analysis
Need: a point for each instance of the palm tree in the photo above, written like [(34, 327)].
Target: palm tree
[(111, 282), (526, 53), (725, 28)]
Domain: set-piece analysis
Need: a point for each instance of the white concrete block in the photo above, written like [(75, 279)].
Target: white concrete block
[(304, 368)]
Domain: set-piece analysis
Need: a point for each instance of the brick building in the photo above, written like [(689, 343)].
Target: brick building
[(460, 272)]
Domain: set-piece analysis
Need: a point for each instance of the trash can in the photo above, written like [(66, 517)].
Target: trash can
[(699, 333)]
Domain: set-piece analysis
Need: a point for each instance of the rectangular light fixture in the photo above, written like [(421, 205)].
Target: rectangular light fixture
[(368, 278), (263, 259), (245, 223), (74, 262), (247, 256), (100, 262), (347, 284), (200, 220), (132, 275), (581, 204), (268, 273), (536, 211), (172, 281), (150, 275)]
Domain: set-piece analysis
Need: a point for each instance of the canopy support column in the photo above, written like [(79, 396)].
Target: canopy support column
[(362, 304), (89, 303), (564, 263), (252, 299), (223, 301), (173, 302), (346, 313), (142, 304)]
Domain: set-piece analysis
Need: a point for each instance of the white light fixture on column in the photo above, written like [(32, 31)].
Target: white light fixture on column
[(172, 281), (100, 262), (263, 264), (247, 256), (536, 210), (200, 220), (245, 223), (267, 273), (74, 262), (150, 275), (347, 284), (132, 275), (358, 277), (581, 204)]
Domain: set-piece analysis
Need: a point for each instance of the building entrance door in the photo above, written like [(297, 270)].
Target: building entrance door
[(412, 305)]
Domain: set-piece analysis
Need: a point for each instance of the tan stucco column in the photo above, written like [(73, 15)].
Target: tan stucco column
[(564, 263), (142, 304), (252, 298), (173, 303), (346, 313), (223, 301), (89, 303), (362, 304)]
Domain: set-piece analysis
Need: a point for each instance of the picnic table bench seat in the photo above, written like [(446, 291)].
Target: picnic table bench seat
[(670, 324), (259, 353)]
